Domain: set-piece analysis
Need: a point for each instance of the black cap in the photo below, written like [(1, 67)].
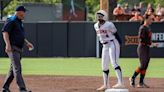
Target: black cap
[(21, 8)]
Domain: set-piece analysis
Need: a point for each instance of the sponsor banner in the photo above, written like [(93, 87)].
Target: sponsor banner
[(156, 37), (128, 32)]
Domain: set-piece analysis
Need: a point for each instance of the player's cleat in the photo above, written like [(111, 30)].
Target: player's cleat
[(5, 90), (132, 82), (142, 85), (102, 88), (25, 91), (118, 86)]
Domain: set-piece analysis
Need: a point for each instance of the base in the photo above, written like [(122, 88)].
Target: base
[(117, 90)]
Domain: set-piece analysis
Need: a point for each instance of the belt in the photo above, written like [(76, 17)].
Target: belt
[(15, 48), (107, 42), (145, 44)]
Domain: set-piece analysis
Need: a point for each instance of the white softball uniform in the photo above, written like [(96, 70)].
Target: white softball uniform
[(111, 47), (110, 50)]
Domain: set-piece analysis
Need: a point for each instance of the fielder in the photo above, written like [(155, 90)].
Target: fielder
[(111, 49), (143, 51)]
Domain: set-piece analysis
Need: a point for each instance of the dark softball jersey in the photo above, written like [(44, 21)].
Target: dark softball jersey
[(145, 35)]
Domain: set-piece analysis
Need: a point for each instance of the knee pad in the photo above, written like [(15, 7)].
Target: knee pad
[(106, 72), (118, 67)]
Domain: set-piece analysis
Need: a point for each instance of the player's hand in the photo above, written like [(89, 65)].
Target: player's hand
[(30, 46), (8, 48), (154, 44)]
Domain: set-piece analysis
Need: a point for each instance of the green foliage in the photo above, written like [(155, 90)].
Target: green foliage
[(44, 1), (130, 2), (91, 5), (161, 2), (92, 8), (10, 9), (148, 1)]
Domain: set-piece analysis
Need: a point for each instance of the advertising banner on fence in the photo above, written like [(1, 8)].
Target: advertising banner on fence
[(129, 36)]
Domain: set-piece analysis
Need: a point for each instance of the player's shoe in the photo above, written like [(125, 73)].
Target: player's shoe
[(132, 82), (142, 85), (118, 86), (102, 88), (25, 91), (5, 90)]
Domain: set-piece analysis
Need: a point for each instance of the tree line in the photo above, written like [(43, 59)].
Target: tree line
[(92, 5)]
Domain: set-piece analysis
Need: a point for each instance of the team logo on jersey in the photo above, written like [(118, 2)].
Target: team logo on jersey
[(101, 31)]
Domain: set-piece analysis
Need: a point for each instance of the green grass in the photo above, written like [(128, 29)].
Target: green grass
[(80, 66)]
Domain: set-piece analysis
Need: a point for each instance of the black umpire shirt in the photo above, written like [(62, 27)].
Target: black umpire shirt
[(14, 27)]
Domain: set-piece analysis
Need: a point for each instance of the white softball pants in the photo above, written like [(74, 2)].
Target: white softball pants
[(110, 53)]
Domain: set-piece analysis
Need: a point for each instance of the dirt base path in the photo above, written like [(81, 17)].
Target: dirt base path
[(79, 84)]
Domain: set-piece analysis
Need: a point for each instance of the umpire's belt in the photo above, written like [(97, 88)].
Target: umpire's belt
[(15, 48)]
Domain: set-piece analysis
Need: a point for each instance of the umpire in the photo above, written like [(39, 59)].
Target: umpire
[(14, 37), (143, 51)]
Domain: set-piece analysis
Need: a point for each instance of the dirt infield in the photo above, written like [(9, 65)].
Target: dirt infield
[(79, 84)]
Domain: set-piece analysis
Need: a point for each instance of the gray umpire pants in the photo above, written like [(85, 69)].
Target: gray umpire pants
[(15, 69)]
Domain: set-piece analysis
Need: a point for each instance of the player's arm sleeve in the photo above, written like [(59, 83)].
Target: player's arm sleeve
[(95, 26), (112, 28), (8, 26), (142, 33), (118, 37)]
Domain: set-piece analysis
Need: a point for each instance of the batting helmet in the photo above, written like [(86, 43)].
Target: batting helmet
[(103, 13)]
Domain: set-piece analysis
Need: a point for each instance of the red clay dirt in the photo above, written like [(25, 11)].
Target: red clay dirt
[(79, 84)]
